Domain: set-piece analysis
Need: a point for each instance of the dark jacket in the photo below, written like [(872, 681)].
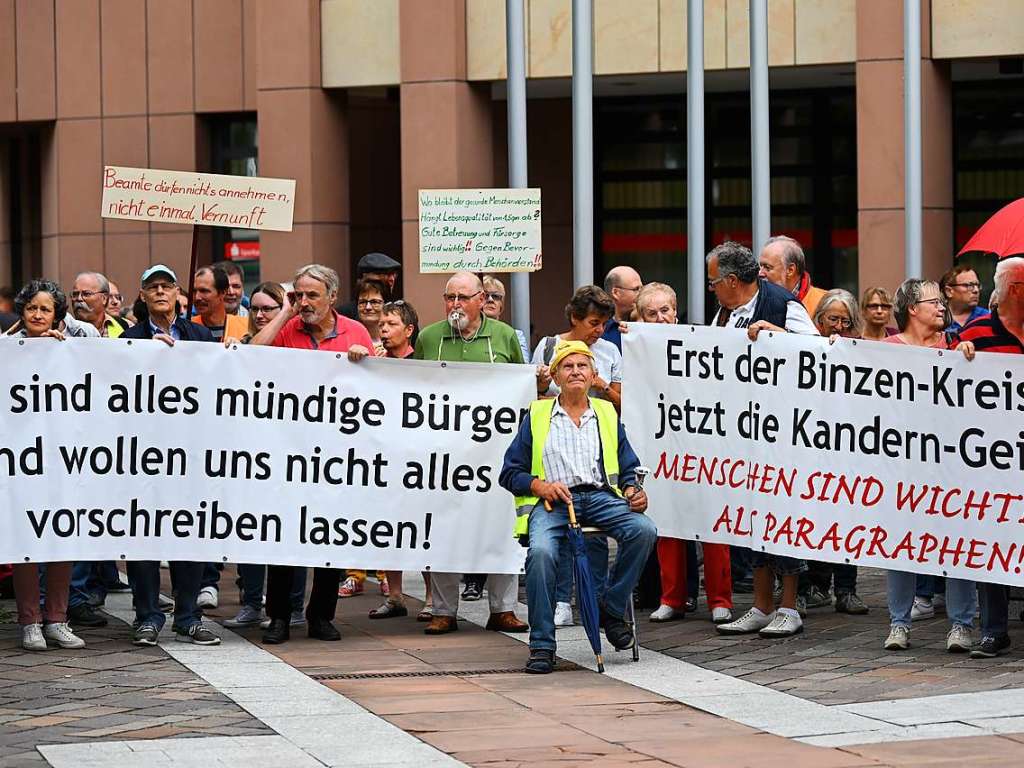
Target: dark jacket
[(188, 331), (772, 302), (516, 476), (7, 320)]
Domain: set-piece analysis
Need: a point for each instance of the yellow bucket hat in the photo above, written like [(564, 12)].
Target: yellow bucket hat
[(565, 348)]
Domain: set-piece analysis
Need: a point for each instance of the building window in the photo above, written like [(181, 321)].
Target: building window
[(234, 151), (641, 181)]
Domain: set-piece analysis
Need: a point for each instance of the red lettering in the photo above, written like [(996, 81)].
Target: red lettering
[(928, 545), (831, 537), (804, 527), (878, 537), (723, 519), (975, 554), (906, 546)]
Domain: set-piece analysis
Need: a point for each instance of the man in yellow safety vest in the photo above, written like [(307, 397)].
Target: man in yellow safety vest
[(573, 448)]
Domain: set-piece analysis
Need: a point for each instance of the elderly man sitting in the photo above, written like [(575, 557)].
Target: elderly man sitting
[(573, 448)]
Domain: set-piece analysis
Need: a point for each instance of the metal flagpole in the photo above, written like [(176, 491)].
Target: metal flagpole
[(912, 135), (695, 287), (582, 143), (759, 144), (515, 47)]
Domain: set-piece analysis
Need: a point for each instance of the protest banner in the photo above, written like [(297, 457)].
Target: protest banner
[(860, 452), (133, 450), (186, 197), (480, 230)]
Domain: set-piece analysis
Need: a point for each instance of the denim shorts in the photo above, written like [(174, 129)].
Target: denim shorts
[(780, 564)]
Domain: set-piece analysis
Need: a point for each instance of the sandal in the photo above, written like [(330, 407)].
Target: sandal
[(389, 610)]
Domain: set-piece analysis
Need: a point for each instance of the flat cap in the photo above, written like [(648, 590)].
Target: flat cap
[(377, 262)]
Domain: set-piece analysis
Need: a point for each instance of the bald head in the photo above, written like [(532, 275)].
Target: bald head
[(623, 284), (466, 281), (464, 301)]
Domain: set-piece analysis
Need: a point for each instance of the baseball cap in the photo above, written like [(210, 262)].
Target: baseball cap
[(566, 348), (159, 269)]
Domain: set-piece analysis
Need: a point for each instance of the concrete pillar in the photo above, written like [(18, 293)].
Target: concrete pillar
[(303, 134), (880, 188), (446, 127)]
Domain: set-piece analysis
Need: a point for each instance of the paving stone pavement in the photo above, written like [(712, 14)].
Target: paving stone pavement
[(839, 659), (107, 690), (460, 701)]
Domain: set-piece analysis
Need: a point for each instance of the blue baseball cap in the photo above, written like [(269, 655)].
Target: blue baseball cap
[(159, 269)]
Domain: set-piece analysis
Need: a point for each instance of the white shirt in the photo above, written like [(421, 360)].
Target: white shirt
[(572, 455), (797, 319), (607, 358)]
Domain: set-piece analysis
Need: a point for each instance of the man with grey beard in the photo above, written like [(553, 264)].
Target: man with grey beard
[(90, 296), (469, 336)]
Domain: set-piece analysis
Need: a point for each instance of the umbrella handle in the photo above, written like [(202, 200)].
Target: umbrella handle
[(572, 516)]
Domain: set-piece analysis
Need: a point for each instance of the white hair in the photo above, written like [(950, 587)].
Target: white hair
[(1008, 271)]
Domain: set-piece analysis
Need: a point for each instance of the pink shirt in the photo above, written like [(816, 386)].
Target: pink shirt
[(346, 333), (940, 344)]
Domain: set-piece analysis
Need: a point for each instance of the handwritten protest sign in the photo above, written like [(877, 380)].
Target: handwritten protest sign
[(183, 197), (492, 230), (117, 449), (858, 452)]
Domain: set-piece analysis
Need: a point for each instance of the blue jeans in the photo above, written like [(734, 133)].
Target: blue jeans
[(961, 599), (92, 578), (928, 585), (253, 576), (995, 609), (635, 534), (185, 580), (211, 575)]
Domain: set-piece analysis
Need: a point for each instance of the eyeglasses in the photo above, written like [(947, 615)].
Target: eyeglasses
[(84, 294), (451, 298), (116, 296), (968, 286), (936, 302), (838, 321), (158, 287), (370, 303), (495, 296), (877, 306), (264, 310), (713, 283)]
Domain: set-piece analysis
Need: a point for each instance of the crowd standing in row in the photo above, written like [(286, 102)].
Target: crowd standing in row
[(584, 459)]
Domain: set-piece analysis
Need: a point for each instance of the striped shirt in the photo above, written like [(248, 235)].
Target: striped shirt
[(572, 455), (990, 335)]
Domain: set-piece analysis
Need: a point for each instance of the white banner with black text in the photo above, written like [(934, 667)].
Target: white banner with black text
[(111, 449)]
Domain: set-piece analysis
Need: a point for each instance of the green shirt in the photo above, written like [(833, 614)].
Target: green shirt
[(495, 342)]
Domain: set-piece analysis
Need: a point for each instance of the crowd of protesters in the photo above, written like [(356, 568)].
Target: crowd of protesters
[(584, 456)]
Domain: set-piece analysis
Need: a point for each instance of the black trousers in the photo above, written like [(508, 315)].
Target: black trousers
[(323, 599)]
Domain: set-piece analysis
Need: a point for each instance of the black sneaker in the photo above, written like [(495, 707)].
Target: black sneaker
[(84, 615), (990, 647), (472, 591), (119, 588), (146, 635), (197, 634), (542, 662), (618, 632)]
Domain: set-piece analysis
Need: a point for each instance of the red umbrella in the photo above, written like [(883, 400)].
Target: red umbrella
[(1003, 234)]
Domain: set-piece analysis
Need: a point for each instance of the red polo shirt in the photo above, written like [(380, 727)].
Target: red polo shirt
[(346, 333)]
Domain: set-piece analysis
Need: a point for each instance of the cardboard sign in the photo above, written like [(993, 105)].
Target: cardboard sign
[(185, 197), (480, 230)]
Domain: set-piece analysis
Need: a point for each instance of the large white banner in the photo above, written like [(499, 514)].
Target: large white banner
[(862, 452), (112, 449)]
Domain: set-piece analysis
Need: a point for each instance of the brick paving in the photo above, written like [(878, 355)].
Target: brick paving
[(107, 690), (839, 659), (110, 691)]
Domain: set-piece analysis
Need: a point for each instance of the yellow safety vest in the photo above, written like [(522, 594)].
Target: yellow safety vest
[(540, 425)]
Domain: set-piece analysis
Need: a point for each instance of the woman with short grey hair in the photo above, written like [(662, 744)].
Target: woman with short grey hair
[(838, 314)]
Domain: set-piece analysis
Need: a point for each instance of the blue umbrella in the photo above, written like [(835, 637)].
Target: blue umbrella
[(585, 597)]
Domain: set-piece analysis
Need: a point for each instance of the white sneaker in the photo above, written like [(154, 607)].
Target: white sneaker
[(563, 615), (898, 639), (923, 609), (783, 624), (750, 622), (62, 635), (720, 615), (207, 597), (32, 637), (666, 613), (960, 639)]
